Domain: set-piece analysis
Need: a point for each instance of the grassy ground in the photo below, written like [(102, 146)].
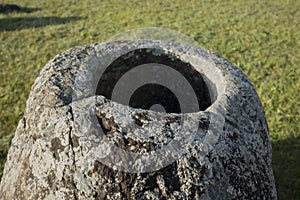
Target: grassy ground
[(262, 38)]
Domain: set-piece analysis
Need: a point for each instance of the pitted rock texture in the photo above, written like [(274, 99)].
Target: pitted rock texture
[(55, 154)]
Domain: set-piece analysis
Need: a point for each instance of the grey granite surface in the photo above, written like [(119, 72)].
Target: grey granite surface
[(60, 152)]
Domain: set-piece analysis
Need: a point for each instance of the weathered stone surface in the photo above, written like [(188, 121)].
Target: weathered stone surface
[(57, 153)]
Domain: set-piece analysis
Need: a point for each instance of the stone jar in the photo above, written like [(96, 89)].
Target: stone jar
[(140, 120)]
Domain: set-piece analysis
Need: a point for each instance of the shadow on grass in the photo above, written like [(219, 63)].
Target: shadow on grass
[(18, 23), (29, 10), (13, 8), (286, 166)]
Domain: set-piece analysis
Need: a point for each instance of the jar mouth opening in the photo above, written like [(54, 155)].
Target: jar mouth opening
[(157, 80)]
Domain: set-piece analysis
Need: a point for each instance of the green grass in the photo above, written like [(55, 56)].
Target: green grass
[(260, 37)]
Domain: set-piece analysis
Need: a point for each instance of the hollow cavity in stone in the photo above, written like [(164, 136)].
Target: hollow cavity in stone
[(152, 94)]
